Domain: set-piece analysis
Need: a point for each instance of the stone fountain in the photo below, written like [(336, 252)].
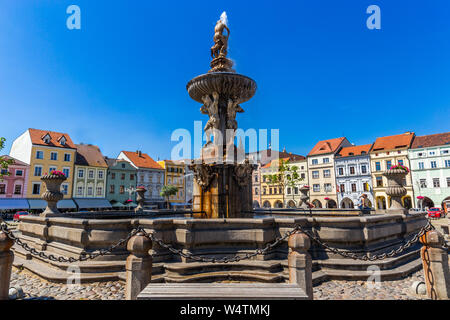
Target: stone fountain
[(222, 178)]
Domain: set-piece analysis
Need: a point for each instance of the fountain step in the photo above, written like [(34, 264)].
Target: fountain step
[(226, 275), (221, 291)]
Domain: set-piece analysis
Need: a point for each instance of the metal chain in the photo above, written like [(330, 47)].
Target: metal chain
[(236, 258), (51, 257)]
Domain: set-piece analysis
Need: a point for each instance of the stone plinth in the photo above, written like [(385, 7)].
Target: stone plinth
[(52, 193), (396, 190)]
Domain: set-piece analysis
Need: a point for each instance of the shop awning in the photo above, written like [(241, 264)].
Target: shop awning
[(66, 204), (92, 203), (130, 204), (37, 203), (117, 205), (13, 204)]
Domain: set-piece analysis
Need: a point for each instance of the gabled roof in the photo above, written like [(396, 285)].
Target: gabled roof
[(431, 140), (398, 141), (90, 155), (16, 162), (112, 162), (326, 146), (274, 163), (354, 151), (37, 138), (142, 160)]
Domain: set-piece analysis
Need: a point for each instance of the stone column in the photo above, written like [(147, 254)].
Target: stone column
[(300, 262), (396, 190), (6, 261), (53, 193), (138, 266), (435, 266), (140, 198)]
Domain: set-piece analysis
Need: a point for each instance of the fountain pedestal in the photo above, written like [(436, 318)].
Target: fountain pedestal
[(222, 178), (396, 190)]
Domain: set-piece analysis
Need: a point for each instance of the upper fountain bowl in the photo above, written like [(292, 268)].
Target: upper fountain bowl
[(225, 83)]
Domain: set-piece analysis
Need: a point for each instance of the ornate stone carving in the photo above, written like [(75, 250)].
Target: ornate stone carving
[(211, 108), (304, 198), (140, 198), (395, 188), (243, 172), (232, 108), (203, 174), (219, 49)]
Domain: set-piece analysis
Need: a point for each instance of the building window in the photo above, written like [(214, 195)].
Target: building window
[(316, 187), (36, 188), (19, 173), (39, 155), (327, 187), (314, 161), (80, 191), (296, 190), (423, 183), (315, 174), (99, 191), (51, 169), (54, 156), (341, 171), (270, 190), (111, 189), (303, 176), (264, 190), (379, 181), (352, 170), (388, 164), (256, 191), (366, 186), (4, 172), (67, 157), (421, 165), (65, 189), (400, 162), (90, 191), (80, 173), (2, 188), (122, 177), (448, 182), (91, 174), (436, 183), (100, 174), (37, 171), (447, 163), (432, 153), (113, 175), (363, 169), (353, 187), (377, 166), (326, 160), (66, 172), (326, 173), (342, 187), (131, 176), (433, 164), (18, 189), (122, 190), (288, 190)]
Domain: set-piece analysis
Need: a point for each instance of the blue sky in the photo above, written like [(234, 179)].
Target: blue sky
[(120, 81)]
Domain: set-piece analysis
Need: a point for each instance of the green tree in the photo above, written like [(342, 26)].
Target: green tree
[(4, 163), (286, 176), (168, 191)]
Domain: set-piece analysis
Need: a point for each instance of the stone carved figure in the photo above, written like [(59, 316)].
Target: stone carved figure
[(243, 173), (203, 174), (232, 108), (211, 108), (219, 50)]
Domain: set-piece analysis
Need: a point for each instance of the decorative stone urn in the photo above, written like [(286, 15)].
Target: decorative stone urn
[(395, 189), (140, 199), (304, 203), (53, 193)]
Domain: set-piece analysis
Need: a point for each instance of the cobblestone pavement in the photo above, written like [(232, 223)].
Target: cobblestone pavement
[(35, 287)]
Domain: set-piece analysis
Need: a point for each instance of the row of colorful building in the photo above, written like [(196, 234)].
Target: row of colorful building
[(93, 180), (338, 172)]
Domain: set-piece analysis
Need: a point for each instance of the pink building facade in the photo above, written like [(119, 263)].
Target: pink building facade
[(15, 185)]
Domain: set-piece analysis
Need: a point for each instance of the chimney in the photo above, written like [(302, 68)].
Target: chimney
[(140, 153)]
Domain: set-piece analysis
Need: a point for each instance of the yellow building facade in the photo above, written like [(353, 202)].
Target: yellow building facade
[(174, 176)]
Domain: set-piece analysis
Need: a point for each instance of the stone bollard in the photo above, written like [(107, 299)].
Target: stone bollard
[(138, 266), (435, 266), (300, 262), (6, 261)]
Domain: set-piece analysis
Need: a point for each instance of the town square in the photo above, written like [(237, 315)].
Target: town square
[(204, 154)]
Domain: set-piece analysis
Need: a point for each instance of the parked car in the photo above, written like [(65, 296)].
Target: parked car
[(18, 214), (435, 212)]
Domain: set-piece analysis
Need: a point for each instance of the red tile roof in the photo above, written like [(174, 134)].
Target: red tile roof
[(16, 162), (142, 160), (393, 142), (90, 155), (326, 146), (37, 137), (354, 151), (431, 140), (274, 162)]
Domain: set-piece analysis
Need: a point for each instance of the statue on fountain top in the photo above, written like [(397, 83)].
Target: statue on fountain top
[(219, 52)]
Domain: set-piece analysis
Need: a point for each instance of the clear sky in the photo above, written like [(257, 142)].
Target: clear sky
[(120, 81)]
